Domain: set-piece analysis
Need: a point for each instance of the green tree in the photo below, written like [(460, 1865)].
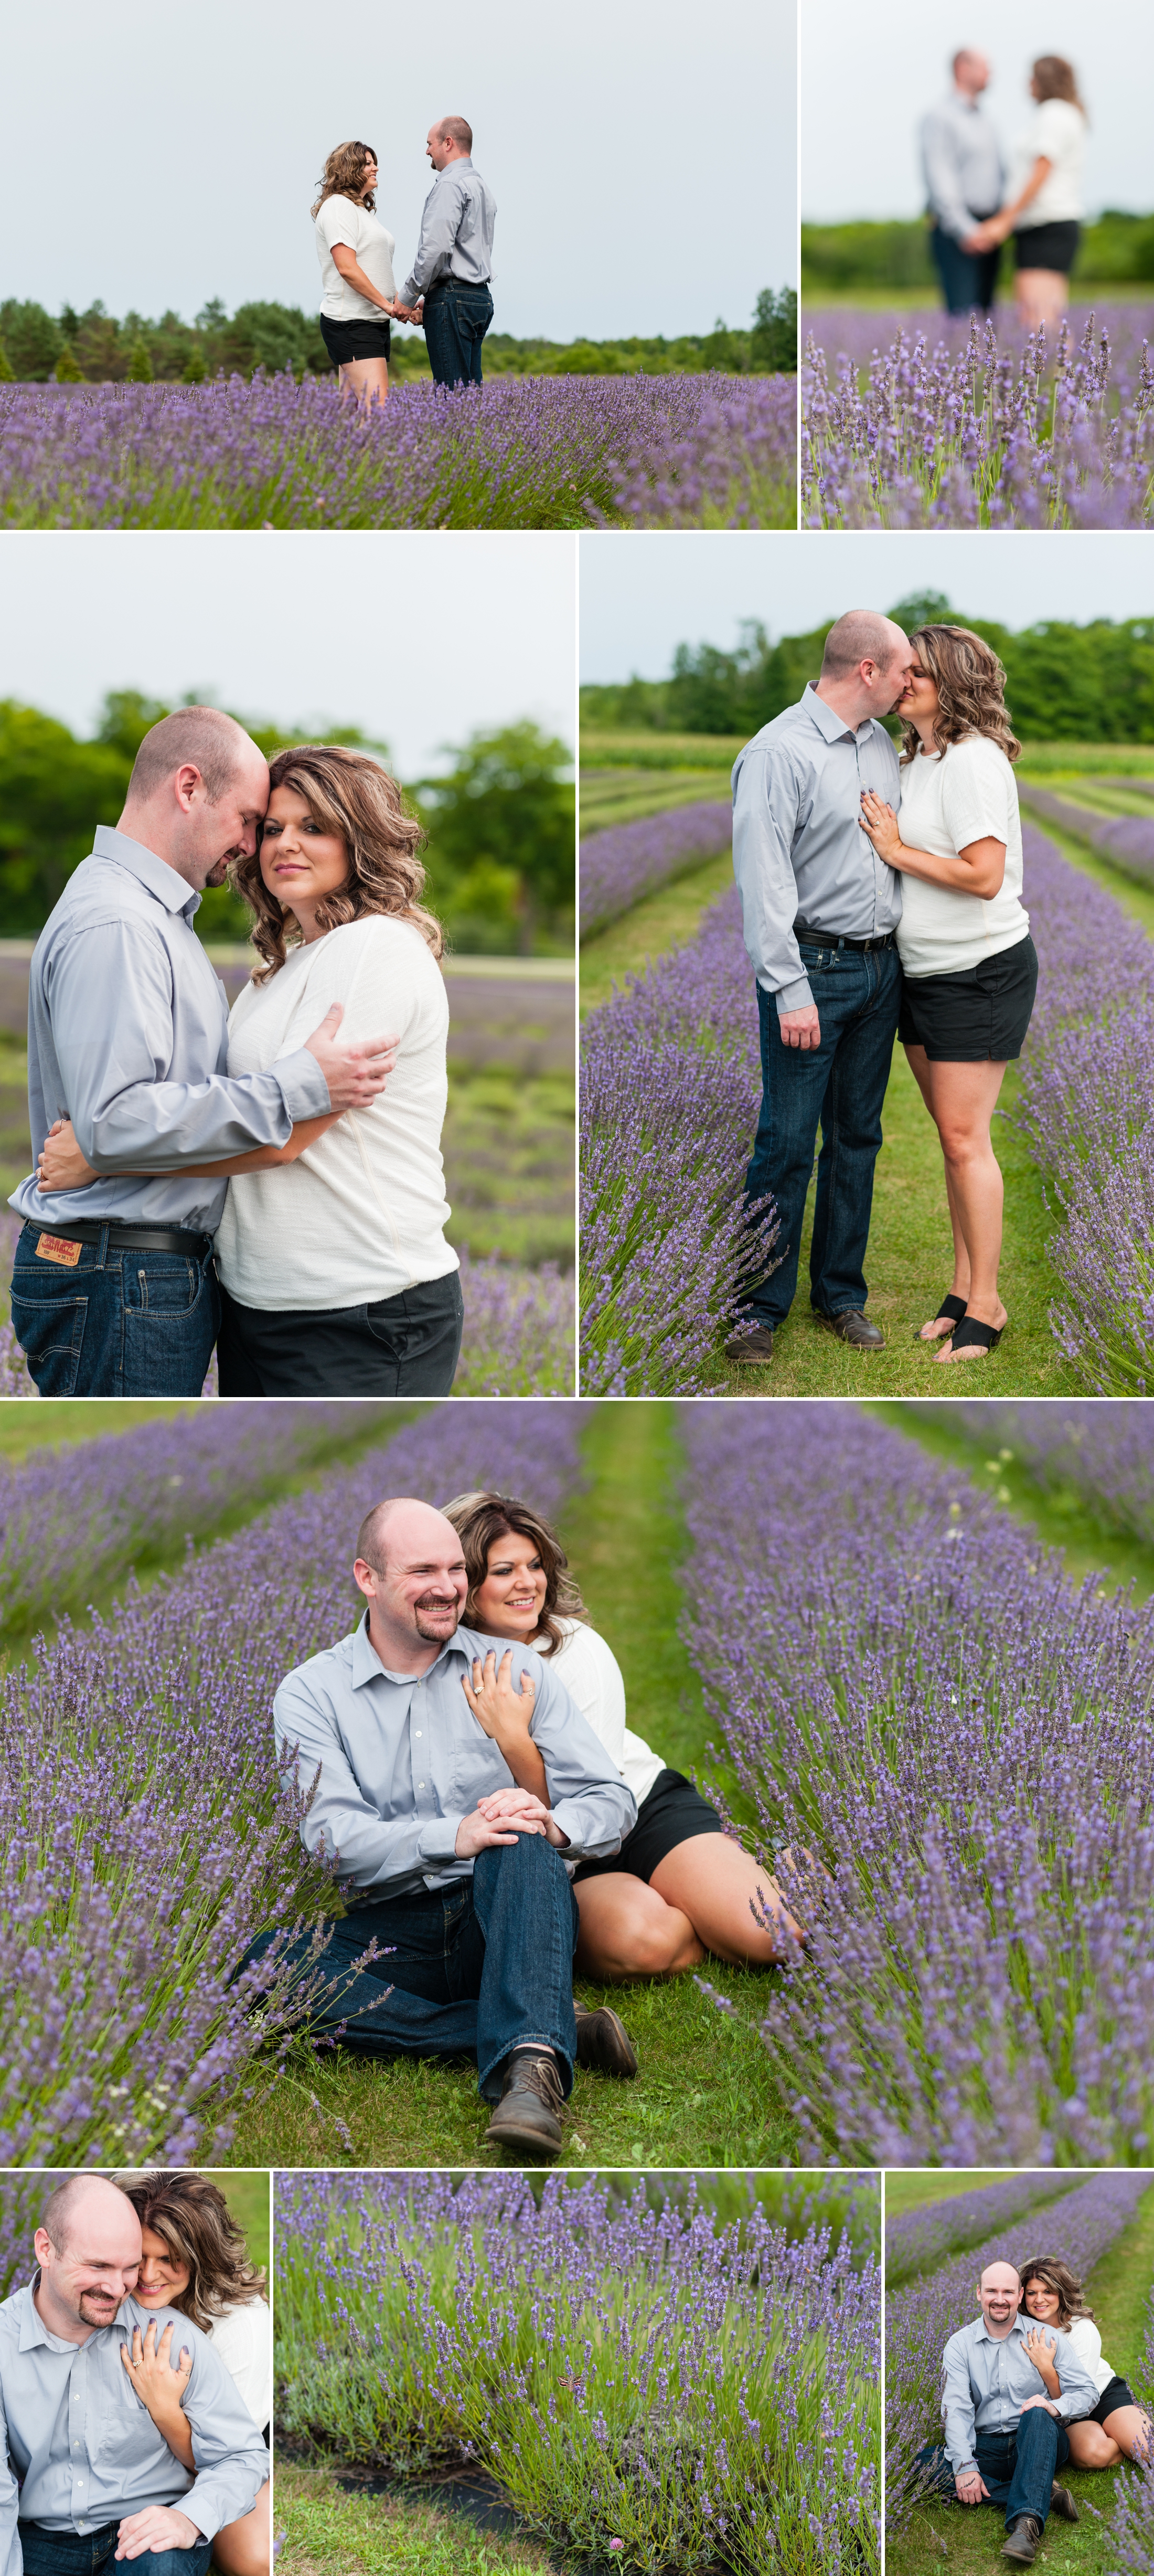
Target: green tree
[(54, 790), (140, 371), (773, 339), (926, 608), (66, 370), (194, 369), (7, 370), (31, 339), (501, 855), (273, 336)]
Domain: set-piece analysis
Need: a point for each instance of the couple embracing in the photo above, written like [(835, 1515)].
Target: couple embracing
[(881, 898)]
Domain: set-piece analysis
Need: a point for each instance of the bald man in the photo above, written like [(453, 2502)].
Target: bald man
[(86, 2479), (819, 911), (447, 291), (460, 1879), (114, 1291), (964, 173), (1004, 2435)]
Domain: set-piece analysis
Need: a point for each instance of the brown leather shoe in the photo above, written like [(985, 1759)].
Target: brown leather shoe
[(603, 2042), (1021, 2541), (752, 1347), (854, 1327), (530, 2110), (1062, 2503)]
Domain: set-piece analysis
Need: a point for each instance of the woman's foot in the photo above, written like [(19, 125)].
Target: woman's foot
[(993, 1317), (949, 1313)]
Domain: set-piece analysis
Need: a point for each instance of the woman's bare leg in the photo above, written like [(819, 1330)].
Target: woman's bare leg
[(937, 1327), (1091, 2448), (628, 1930), (727, 1897), (245, 2548), (963, 1098), (367, 379), (1130, 2428), (1043, 296)]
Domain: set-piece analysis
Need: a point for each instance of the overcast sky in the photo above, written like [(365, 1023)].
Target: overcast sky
[(865, 84), (639, 602), (158, 156), (418, 639)]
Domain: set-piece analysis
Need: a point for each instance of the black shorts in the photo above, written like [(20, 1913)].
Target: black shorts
[(403, 1345), (1052, 246), (671, 1812), (981, 1013), (347, 340), (1117, 2392)]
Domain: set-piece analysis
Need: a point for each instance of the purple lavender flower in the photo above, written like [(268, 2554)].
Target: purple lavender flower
[(620, 865)]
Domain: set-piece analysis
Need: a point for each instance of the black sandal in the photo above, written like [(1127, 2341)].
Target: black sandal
[(970, 1335), (952, 1308)]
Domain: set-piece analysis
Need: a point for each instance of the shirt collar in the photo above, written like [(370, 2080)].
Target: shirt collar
[(464, 163), (984, 2335), (367, 1665), (161, 880), (832, 726)]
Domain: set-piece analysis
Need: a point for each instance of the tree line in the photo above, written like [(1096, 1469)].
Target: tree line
[(1092, 683), (1117, 250), (94, 348), (500, 822)]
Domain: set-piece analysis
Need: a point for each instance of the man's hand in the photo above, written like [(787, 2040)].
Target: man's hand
[(160, 2527), (501, 1710), (800, 1028), (970, 2487), (354, 1074)]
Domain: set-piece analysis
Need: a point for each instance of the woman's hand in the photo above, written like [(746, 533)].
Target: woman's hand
[(160, 2383), (1040, 2350), (61, 1165), (880, 824), (503, 1712)]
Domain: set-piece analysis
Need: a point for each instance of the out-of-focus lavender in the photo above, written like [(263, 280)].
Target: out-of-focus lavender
[(669, 1099), (946, 434), (921, 2317), (519, 1330), (1104, 1453), (22, 2198), (622, 864), (861, 333), (145, 1836), (1131, 2533), (1127, 840), (957, 1747), (919, 2239), (518, 452), (14, 1378), (644, 2379)]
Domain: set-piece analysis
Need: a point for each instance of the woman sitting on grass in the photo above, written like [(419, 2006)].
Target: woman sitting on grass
[(679, 1887), (194, 2260), (1053, 2298)]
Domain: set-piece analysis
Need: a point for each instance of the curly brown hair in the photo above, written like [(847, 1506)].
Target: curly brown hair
[(344, 176), (480, 1520), (192, 2216), (351, 795), (1059, 2278), (1056, 78), (971, 684)]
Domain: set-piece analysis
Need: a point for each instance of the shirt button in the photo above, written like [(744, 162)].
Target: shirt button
[(420, 1784), (418, 1735)]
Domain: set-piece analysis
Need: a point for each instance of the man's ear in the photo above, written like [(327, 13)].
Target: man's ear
[(366, 1578), (43, 2247)]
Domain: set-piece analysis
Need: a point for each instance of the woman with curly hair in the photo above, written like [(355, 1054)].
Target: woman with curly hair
[(358, 290), (969, 965), (1053, 2300), (334, 1272), (194, 2259)]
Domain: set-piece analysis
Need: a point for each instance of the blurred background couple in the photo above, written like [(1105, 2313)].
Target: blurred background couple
[(268, 1181), (447, 290), (977, 200)]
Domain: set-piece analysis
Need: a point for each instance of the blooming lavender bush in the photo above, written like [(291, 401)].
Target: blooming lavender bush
[(921, 2317), (918, 2240), (1131, 2534), (1103, 1453), (974, 437), (519, 1330), (957, 1748), (624, 863), (145, 1835), (518, 452), (640, 2380), (1127, 840)]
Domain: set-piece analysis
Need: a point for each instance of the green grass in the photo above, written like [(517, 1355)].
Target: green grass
[(1063, 1518), (968, 2541), (329, 2532), (509, 1152), (664, 921), (610, 796), (644, 747), (59, 1422), (705, 2093)]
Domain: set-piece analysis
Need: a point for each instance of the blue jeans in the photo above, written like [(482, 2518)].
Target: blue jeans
[(88, 2553), (474, 1970), (456, 320), (1018, 2468), (968, 277), (840, 1085), (121, 1323)]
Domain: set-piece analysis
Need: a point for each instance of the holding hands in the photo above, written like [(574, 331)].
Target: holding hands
[(501, 1817)]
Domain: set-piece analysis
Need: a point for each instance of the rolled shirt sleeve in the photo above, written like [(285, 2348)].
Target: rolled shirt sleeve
[(765, 818), (231, 2459)]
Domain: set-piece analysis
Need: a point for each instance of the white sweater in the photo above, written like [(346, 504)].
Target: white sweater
[(593, 1677), (360, 1215), (242, 2338)]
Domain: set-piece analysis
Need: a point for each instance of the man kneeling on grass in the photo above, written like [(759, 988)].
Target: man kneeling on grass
[(461, 1878), (1005, 2437), (85, 2476)]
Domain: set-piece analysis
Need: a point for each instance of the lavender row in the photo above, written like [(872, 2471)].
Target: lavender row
[(620, 865), (922, 2316), (1103, 1453), (1130, 2538), (861, 333), (956, 1746), (145, 1834), (642, 2380), (520, 451), (979, 436), (1126, 840), (520, 1328), (921, 2237)]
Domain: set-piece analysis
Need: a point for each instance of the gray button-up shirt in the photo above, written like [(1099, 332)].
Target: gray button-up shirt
[(962, 162), (988, 2381), (84, 2448), (402, 1760), (799, 851), (128, 1037), (456, 231)]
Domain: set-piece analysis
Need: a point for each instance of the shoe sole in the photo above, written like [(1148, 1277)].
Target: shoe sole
[(749, 1359), (621, 2060), (1065, 2507), (510, 2134)]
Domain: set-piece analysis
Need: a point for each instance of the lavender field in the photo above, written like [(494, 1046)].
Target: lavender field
[(519, 452), (920, 421), (656, 2375), (620, 865)]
